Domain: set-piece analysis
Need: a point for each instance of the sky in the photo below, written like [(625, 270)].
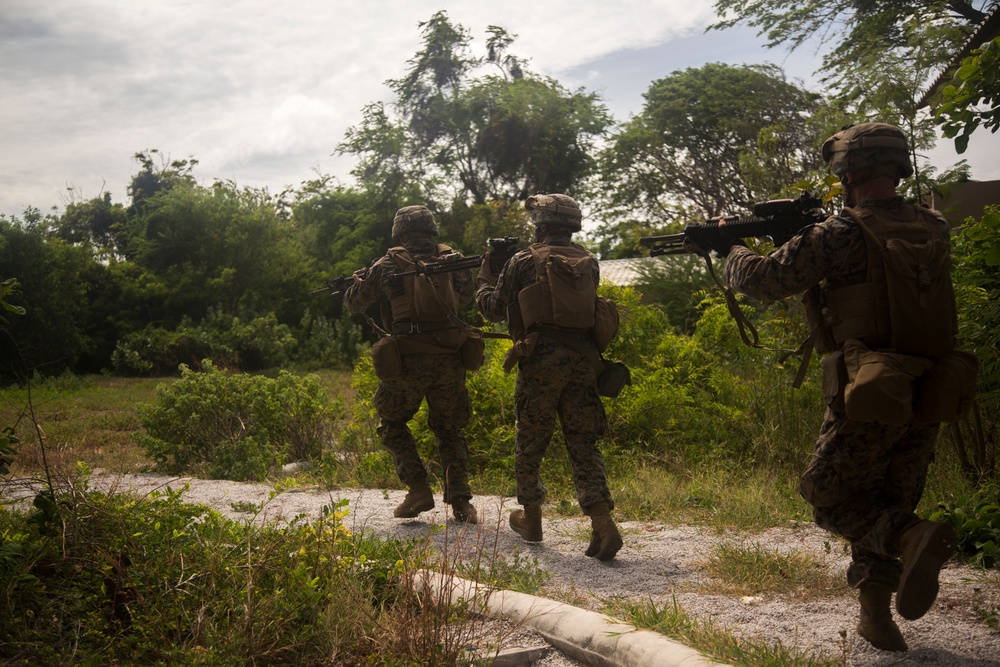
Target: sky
[(261, 92)]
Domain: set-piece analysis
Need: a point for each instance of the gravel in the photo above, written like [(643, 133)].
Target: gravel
[(659, 563)]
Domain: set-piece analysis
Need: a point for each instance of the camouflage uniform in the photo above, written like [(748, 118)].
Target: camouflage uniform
[(555, 381), (865, 478), (440, 378)]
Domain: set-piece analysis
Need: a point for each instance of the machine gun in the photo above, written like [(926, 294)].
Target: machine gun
[(501, 249), (779, 219)]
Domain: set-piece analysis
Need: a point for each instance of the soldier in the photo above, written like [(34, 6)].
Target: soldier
[(423, 359), (866, 476), (547, 293)]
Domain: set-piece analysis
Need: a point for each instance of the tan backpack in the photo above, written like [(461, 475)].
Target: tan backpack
[(564, 294), (424, 298)]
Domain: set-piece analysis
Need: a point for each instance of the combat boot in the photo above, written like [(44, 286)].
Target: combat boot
[(876, 624), (605, 539), (419, 499), (528, 523), (926, 546), (464, 511)]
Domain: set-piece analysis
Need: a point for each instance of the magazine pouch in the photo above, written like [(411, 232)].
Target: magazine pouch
[(945, 392)]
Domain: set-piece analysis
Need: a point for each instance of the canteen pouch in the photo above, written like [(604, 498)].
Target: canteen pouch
[(473, 350), (880, 385), (385, 358), (519, 350), (945, 392), (613, 378)]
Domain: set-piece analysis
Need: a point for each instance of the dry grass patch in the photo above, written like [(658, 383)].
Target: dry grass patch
[(751, 569)]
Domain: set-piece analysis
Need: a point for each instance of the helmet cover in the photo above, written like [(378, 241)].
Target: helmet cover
[(554, 209), (413, 218), (877, 146)]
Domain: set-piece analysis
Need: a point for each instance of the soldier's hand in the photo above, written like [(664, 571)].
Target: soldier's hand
[(486, 275)]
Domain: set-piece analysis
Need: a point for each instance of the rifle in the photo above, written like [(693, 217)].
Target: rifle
[(779, 219), (501, 249)]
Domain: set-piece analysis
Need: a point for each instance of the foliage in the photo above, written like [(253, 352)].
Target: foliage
[(681, 156), (862, 35), (499, 136), (237, 427), (154, 580), (259, 344), (972, 99), (976, 518)]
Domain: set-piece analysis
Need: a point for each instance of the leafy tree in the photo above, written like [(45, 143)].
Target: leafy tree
[(497, 136), (973, 98), (98, 222), (681, 156), (862, 32), (152, 179)]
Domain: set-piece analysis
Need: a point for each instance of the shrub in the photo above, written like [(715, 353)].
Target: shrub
[(227, 342), (238, 426)]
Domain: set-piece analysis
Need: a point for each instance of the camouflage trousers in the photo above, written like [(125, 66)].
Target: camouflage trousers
[(558, 382), (440, 378), (864, 482)]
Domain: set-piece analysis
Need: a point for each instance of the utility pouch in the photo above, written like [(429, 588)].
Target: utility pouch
[(473, 350), (834, 380), (880, 385), (386, 359), (946, 390), (521, 349), (613, 378), (606, 323)]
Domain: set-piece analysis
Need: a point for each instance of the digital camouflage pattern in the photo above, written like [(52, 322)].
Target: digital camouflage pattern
[(869, 146), (555, 382), (413, 218), (438, 378), (865, 479)]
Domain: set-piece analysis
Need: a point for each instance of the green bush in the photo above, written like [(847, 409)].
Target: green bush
[(258, 344), (154, 580), (976, 519), (238, 426)]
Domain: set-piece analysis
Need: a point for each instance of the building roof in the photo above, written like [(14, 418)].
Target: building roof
[(986, 31), (623, 272)]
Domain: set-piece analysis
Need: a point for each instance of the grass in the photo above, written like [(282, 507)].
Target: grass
[(750, 569), (717, 642)]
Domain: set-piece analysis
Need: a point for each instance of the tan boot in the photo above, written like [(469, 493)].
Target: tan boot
[(464, 511), (926, 546), (419, 499), (876, 624), (605, 539), (528, 523)]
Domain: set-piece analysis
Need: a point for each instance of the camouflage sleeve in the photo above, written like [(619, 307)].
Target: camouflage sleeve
[(362, 294), (464, 283), (794, 267), (492, 301)]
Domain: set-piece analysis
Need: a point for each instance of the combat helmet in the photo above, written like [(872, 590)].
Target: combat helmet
[(554, 209), (878, 147), (413, 218)]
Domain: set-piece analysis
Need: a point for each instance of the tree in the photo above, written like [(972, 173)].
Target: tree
[(453, 134), (973, 98), (862, 32), (681, 155)]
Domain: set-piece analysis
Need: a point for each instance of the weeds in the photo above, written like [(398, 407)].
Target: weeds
[(749, 569)]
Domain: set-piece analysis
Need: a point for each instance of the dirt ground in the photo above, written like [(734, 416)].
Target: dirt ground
[(659, 563)]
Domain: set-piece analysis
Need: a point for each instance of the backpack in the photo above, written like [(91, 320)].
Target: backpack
[(564, 294), (424, 298)]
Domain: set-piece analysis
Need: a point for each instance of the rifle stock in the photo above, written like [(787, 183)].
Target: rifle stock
[(779, 219)]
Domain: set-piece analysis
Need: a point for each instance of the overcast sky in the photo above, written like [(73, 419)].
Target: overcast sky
[(261, 92)]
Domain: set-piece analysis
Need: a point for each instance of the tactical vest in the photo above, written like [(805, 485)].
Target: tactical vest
[(563, 294), (907, 303), (424, 300)]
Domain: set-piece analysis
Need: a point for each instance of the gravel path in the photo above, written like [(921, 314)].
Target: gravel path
[(658, 563)]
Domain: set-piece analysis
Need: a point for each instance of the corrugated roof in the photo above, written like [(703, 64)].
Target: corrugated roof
[(986, 31), (623, 272)]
